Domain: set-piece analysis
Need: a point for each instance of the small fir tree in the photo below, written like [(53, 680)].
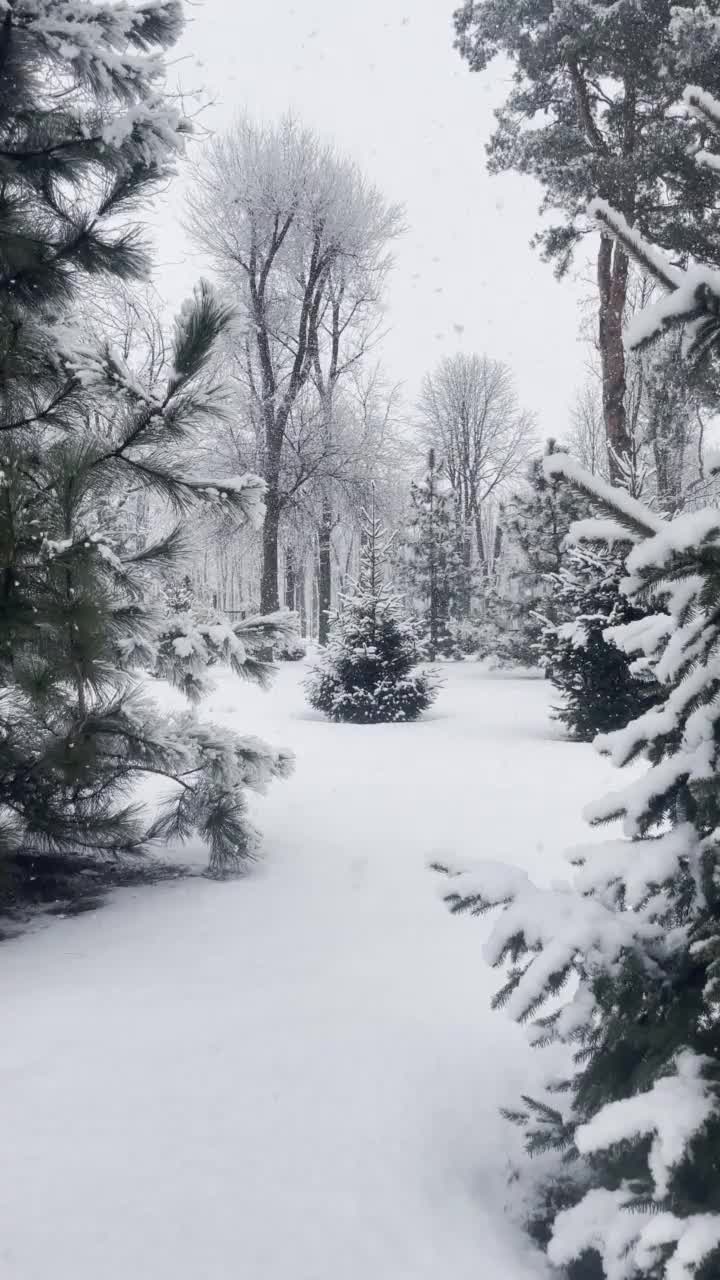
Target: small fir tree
[(433, 572), (601, 688), (367, 674)]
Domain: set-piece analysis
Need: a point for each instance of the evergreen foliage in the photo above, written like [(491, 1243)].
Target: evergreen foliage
[(367, 674), (594, 84), (536, 521), (622, 966), (433, 567), (591, 111), (86, 134), (601, 689)]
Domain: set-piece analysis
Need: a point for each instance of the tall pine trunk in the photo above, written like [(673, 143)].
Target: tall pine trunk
[(612, 272)]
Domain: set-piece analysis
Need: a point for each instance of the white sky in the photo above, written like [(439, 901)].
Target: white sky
[(382, 80)]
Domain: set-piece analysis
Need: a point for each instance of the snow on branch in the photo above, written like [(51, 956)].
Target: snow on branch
[(694, 294), (559, 930), (246, 492), (626, 510), (654, 262), (673, 1112), (632, 1239), (638, 867), (682, 537), (609, 532), (702, 104)]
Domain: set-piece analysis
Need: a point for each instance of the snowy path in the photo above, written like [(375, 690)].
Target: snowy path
[(295, 1076)]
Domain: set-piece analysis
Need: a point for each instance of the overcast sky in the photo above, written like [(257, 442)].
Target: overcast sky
[(382, 80)]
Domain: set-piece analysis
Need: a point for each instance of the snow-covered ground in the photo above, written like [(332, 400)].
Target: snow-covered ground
[(294, 1076)]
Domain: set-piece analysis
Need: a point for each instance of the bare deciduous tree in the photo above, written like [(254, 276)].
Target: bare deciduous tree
[(470, 413), (286, 221), (586, 439)]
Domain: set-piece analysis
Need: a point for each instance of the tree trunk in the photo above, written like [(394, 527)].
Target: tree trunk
[(290, 579), (269, 597), (482, 555), (612, 269), (303, 603), (314, 602), (324, 573), (498, 545)]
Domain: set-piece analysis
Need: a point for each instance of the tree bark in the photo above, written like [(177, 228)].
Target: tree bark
[(303, 605), (612, 283), (290, 579), (324, 573), (314, 601), (269, 596), (482, 555)]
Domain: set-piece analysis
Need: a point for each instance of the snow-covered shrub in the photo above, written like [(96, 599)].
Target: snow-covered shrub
[(291, 650), (367, 673)]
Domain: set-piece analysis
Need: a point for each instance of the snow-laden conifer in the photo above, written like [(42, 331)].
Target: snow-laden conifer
[(621, 963), (432, 564), (601, 688), (86, 133), (368, 673)]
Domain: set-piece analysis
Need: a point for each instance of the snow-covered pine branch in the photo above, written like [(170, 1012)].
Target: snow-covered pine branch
[(190, 642), (626, 513)]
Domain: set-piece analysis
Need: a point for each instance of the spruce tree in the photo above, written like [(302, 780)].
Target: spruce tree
[(367, 674), (433, 572), (86, 135), (601, 688), (535, 521), (622, 966)]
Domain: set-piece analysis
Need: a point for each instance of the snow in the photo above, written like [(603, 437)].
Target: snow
[(556, 465), (683, 535), (647, 863), (296, 1074), (673, 1111), (595, 529), (628, 1240), (652, 258)]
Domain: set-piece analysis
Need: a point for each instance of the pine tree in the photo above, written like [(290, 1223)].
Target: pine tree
[(367, 673), (601, 689), (86, 135), (433, 573), (623, 965), (590, 111)]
